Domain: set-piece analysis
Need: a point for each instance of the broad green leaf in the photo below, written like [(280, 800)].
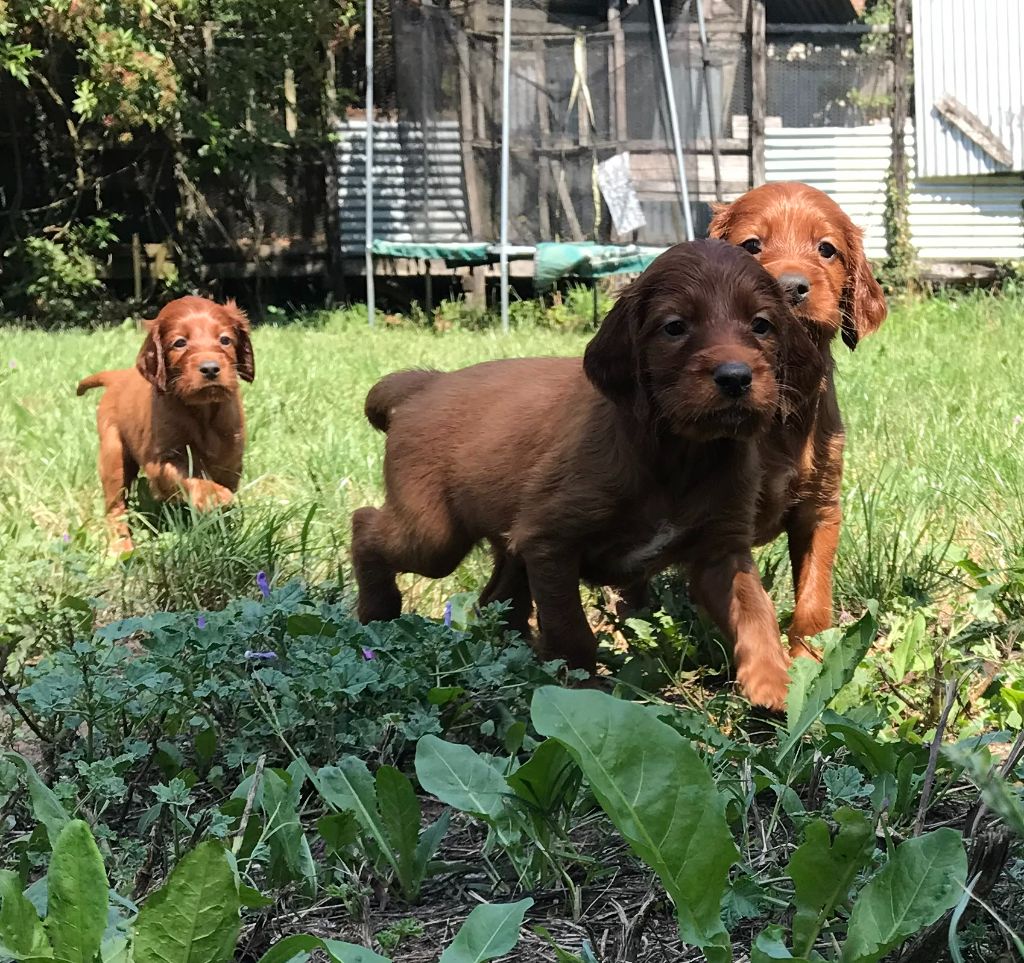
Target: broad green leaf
[(76, 915), (115, 951), (430, 842), (290, 858), (540, 781), (809, 695), (770, 946), (491, 930), (908, 648), (658, 793), (283, 951), (350, 953), (349, 787), (338, 830), (252, 898), (194, 917), (46, 806), (996, 792), (924, 878), (460, 777), (823, 870), (400, 816), (21, 930)]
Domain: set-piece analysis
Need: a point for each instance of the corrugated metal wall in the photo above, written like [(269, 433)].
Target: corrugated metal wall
[(973, 51), (418, 196), (951, 219)]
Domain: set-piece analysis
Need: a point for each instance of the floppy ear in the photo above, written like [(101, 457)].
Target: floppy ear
[(150, 362), (610, 360), (864, 307), (246, 361), (721, 221)]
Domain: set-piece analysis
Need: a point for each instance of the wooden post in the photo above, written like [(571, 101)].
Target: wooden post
[(334, 279), (617, 76), (544, 126), (758, 91), (900, 66), (137, 266), (470, 173)]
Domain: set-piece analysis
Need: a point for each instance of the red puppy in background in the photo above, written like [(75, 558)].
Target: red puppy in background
[(803, 238), (177, 415)]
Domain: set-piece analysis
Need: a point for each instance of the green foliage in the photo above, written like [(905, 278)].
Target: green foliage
[(658, 793), (488, 932)]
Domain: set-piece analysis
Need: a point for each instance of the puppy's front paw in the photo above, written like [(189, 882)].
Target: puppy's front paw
[(799, 649), (121, 546), (766, 682), (212, 496)]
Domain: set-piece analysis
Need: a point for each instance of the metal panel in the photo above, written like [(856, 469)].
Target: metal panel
[(418, 189), (973, 52), (952, 219)]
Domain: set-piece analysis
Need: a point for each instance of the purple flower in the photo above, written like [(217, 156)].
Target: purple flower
[(201, 622), (369, 654), (65, 538), (448, 612), (263, 582), (260, 656)]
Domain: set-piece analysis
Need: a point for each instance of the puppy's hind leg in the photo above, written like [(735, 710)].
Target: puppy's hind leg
[(382, 546), (379, 598), (510, 583), (117, 470)]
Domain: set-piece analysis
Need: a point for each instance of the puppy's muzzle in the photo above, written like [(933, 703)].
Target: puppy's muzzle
[(210, 370), (733, 378), (796, 287)]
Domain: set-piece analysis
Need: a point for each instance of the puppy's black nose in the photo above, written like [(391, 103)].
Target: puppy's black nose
[(733, 378), (209, 369), (796, 287)]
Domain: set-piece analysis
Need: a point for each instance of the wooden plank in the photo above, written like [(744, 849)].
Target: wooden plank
[(901, 81), (758, 90), (470, 173), (544, 125), (973, 128), (563, 195)]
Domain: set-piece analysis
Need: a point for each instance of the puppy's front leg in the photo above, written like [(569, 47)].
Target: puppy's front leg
[(731, 591), (168, 481), (564, 630)]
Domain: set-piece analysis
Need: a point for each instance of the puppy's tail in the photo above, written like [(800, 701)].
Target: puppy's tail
[(98, 380), (391, 391)]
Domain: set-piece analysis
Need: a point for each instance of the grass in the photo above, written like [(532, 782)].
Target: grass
[(172, 709), (933, 466)]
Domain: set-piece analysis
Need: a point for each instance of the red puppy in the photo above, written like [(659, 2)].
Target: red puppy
[(814, 250), (609, 468), (177, 415)]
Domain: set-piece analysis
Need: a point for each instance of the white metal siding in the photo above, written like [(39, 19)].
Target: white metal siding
[(972, 51), (410, 203), (952, 219)]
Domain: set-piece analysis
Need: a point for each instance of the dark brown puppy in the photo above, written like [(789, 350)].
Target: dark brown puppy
[(608, 468), (814, 250), (177, 415)]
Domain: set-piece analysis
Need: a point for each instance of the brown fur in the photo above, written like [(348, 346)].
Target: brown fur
[(184, 429), (803, 458), (607, 468)]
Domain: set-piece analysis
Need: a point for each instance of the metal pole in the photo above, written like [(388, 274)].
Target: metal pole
[(370, 299), (677, 141), (506, 65), (705, 57)]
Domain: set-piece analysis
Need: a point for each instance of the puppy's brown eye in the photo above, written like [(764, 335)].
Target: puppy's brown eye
[(827, 251), (224, 339), (674, 327), (761, 326), (179, 343), (752, 244)]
